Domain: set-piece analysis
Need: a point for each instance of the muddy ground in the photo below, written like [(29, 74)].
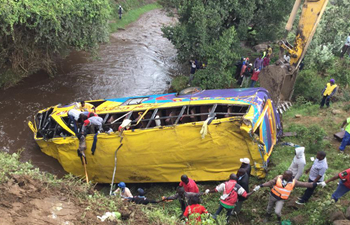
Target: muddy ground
[(24, 200)]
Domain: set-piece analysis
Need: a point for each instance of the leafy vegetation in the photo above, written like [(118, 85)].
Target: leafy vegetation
[(34, 33), (179, 83)]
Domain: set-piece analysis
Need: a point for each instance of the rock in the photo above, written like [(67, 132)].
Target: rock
[(300, 219), (297, 116), (336, 111), (347, 214), (260, 47), (337, 215), (341, 222)]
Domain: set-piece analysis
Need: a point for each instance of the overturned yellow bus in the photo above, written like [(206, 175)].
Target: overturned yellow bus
[(201, 133)]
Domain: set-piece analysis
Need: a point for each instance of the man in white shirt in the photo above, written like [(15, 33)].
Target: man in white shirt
[(74, 115), (345, 47), (317, 172)]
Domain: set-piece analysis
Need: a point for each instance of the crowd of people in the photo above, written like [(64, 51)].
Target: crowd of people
[(85, 112), (236, 190), (247, 74)]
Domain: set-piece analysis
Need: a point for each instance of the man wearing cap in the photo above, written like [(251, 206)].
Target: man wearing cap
[(92, 122), (123, 191), (346, 138), (246, 165), (328, 92), (298, 164)]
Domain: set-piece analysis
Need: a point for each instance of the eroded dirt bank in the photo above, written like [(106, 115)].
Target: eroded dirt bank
[(24, 200)]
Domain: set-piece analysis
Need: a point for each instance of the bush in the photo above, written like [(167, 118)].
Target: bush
[(34, 33), (311, 137), (340, 71), (309, 85), (179, 83)]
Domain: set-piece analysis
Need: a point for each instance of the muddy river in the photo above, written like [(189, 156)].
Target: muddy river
[(137, 61)]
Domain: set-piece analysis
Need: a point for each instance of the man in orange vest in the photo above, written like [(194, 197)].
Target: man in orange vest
[(282, 186), (343, 186), (328, 92), (231, 190)]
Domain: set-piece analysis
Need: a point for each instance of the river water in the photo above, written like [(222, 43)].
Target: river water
[(137, 61)]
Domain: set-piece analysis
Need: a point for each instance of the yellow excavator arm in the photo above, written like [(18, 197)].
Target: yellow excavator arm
[(310, 17), (279, 79)]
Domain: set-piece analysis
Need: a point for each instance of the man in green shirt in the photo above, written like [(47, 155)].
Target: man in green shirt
[(346, 138)]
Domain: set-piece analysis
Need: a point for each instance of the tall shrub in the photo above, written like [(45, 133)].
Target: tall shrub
[(33, 33)]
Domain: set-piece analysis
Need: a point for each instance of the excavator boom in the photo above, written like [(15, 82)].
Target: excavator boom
[(279, 79)]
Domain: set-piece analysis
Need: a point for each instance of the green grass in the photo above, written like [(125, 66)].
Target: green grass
[(307, 109), (130, 16)]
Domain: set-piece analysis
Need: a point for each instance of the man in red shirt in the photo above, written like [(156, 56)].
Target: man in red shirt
[(266, 61), (255, 77), (194, 211), (344, 184), (188, 184)]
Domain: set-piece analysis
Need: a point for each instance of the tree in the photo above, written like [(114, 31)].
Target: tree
[(210, 31), (34, 33), (330, 35), (221, 55)]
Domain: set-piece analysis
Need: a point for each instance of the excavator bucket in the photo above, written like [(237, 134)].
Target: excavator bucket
[(279, 80)]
